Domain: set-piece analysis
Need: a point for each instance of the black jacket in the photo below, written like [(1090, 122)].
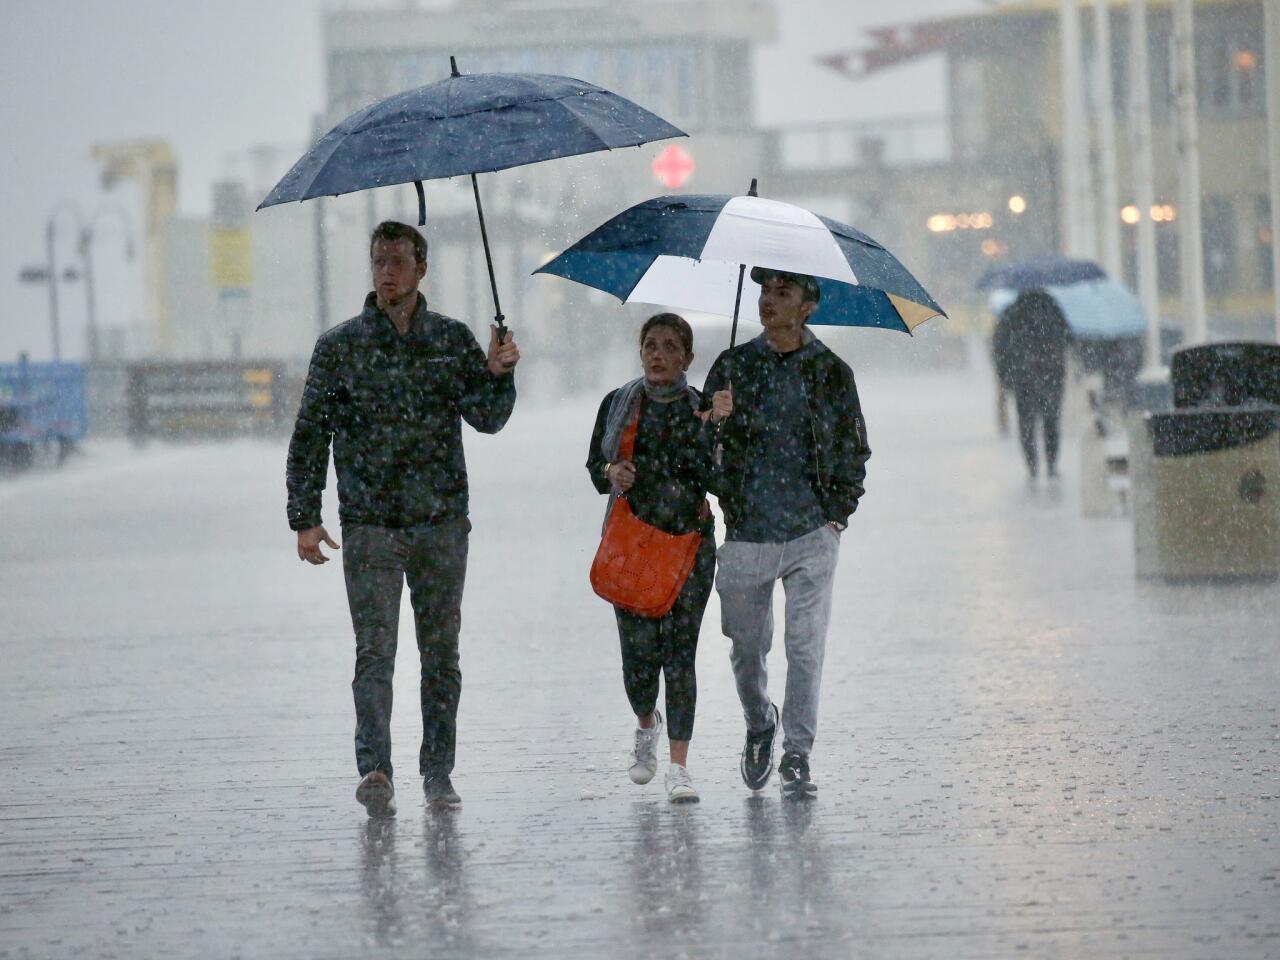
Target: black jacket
[(673, 465), (1030, 344), (393, 407), (837, 452)]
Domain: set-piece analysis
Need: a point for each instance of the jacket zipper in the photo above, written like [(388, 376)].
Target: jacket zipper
[(813, 431)]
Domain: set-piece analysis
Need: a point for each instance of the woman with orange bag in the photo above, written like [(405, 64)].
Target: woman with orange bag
[(653, 444)]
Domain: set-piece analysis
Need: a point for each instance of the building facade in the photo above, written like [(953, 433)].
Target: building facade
[(992, 192), (689, 62)]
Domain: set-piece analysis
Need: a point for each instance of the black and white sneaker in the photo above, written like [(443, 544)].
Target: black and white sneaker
[(793, 773), (757, 754)]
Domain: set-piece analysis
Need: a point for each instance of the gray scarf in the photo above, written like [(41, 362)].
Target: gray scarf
[(623, 407)]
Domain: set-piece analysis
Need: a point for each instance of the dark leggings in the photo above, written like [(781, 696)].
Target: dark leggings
[(1044, 405), (668, 645)]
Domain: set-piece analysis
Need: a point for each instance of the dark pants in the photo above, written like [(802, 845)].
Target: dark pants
[(668, 646), (1041, 404), (377, 561)]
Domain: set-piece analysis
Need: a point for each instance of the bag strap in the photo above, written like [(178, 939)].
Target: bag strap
[(627, 445)]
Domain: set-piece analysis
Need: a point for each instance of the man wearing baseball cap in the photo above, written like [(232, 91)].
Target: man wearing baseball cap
[(792, 462)]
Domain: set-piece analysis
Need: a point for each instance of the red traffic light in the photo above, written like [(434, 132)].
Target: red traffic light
[(673, 166)]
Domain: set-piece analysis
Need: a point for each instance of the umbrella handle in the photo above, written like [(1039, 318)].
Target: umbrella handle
[(488, 259)]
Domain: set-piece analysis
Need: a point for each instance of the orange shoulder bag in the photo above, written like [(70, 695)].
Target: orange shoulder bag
[(638, 567)]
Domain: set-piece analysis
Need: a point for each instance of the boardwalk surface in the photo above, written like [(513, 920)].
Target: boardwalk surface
[(1023, 750)]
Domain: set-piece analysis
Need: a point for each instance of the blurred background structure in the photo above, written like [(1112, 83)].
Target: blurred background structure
[(1023, 148), (1036, 751)]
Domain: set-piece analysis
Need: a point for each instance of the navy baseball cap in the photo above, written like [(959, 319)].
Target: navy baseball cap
[(802, 280)]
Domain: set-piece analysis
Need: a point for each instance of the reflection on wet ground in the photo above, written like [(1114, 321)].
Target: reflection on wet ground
[(1022, 748)]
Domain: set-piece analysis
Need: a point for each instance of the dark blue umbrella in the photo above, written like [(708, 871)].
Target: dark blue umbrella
[(692, 252), (1050, 270), (467, 125)]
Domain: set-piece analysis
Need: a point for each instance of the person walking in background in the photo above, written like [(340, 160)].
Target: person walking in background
[(389, 388), (792, 464), (1030, 352), (665, 482)]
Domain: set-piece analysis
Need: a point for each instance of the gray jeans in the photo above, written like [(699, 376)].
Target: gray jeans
[(377, 561), (744, 579)]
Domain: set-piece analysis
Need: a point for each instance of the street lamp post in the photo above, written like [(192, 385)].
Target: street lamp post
[(1106, 120), (87, 236), (55, 334), (1194, 325), (90, 304), (1271, 57), (51, 269), (48, 274), (1143, 184)]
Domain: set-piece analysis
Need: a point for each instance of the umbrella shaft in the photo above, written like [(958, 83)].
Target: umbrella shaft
[(737, 301), (488, 259)]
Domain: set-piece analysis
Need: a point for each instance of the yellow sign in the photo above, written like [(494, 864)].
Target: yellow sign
[(230, 258)]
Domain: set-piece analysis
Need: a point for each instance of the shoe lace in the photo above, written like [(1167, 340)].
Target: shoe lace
[(756, 744), (680, 777), (646, 744), (795, 766)]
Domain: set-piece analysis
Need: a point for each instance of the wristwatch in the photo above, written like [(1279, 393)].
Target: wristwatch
[(837, 526), (607, 468)]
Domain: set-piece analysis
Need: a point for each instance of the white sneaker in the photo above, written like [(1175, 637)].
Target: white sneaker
[(644, 758), (680, 787)]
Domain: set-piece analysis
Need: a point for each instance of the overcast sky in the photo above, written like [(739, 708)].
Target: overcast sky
[(217, 78)]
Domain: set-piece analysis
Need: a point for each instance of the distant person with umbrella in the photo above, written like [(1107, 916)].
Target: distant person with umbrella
[(652, 445), (792, 463), (1029, 347), (389, 389)]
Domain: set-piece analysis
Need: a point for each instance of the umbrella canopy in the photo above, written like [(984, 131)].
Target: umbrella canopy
[(467, 124), (1046, 271), (464, 124), (688, 252), (1094, 309)]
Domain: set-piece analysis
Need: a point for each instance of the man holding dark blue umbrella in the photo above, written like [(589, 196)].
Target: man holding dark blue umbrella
[(792, 461), (389, 388)]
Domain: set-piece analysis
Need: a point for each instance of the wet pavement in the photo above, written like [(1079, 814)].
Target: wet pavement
[(1022, 750)]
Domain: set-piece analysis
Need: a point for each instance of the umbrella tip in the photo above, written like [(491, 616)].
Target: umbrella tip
[(752, 191), (453, 67)]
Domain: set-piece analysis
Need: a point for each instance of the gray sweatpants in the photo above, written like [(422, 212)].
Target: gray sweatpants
[(744, 579)]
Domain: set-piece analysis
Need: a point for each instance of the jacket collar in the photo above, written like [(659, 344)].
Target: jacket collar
[(809, 344), (382, 324)]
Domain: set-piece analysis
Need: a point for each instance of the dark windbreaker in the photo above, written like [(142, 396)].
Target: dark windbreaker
[(836, 455), (392, 406), (1030, 344)]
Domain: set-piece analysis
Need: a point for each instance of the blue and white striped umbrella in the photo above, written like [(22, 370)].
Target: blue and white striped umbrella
[(685, 252)]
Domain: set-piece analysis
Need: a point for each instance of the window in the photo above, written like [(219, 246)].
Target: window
[(1229, 64), (1219, 231), (969, 103)]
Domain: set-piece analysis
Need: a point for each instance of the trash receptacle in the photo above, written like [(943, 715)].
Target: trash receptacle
[(1207, 483)]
